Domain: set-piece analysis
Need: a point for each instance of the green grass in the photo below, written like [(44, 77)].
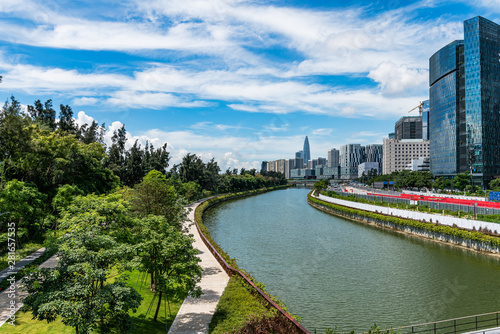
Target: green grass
[(26, 250), (235, 307), (25, 325)]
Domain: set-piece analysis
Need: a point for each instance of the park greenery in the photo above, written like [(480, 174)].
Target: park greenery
[(109, 211), (425, 180)]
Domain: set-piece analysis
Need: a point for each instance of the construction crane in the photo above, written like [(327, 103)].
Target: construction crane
[(419, 108)]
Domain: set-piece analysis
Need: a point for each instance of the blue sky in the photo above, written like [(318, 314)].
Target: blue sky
[(241, 81)]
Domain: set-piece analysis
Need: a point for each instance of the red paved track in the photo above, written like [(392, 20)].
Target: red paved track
[(485, 204)]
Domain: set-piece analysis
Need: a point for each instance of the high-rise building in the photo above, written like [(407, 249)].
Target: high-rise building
[(333, 158), (307, 151), (351, 155), (425, 120), (409, 127), (464, 114), (447, 108), (482, 97)]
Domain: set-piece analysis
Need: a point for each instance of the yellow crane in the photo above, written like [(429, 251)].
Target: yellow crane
[(419, 108)]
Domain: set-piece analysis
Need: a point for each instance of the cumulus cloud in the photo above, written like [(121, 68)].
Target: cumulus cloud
[(394, 79)]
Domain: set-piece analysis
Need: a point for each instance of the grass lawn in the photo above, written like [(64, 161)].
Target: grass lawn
[(143, 324), (235, 307), (26, 250)]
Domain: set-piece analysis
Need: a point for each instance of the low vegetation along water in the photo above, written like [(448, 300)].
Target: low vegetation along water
[(335, 272)]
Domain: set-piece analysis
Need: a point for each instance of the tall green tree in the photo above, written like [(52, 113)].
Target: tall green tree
[(56, 158), (116, 153), (22, 204), (168, 256), (43, 114), (15, 138), (78, 290), (66, 121), (156, 196), (460, 181)]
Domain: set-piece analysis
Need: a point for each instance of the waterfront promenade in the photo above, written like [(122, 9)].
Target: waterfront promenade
[(195, 314)]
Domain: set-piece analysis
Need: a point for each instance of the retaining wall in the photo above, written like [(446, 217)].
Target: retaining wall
[(473, 244)]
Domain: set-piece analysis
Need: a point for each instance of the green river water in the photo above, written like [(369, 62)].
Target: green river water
[(335, 272)]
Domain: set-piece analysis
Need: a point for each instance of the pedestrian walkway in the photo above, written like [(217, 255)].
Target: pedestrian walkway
[(21, 264), (10, 299), (195, 314)]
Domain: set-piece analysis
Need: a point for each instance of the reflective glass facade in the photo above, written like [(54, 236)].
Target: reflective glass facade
[(445, 109), (482, 98), (425, 120)]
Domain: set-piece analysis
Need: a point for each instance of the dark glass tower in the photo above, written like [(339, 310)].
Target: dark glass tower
[(482, 98), (307, 151), (446, 108)]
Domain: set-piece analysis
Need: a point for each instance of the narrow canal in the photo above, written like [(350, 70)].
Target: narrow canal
[(335, 272)]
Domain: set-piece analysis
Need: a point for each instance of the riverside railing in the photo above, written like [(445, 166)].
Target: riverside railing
[(473, 323)]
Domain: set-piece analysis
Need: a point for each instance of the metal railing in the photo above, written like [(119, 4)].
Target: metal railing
[(451, 326)]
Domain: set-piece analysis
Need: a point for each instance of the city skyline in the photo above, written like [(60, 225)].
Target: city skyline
[(239, 81)]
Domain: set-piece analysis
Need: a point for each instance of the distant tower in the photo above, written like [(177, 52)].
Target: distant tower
[(307, 151)]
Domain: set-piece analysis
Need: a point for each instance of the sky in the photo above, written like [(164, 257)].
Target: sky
[(239, 81)]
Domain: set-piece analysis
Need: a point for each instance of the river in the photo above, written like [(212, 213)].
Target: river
[(335, 272)]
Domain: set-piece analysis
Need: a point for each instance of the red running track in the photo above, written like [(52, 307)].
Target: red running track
[(485, 204)]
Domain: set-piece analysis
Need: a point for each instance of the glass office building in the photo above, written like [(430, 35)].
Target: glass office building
[(482, 98), (425, 120), (464, 105), (446, 91)]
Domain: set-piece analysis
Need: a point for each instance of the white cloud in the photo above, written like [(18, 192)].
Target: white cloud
[(133, 99), (85, 101), (394, 79), (83, 118), (322, 132)]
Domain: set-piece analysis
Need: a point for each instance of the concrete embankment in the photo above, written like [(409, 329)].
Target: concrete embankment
[(424, 229)]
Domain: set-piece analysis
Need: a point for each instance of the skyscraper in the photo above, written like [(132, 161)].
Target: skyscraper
[(446, 110), (351, 155), (464, 114), (482, 97), (307, 151)]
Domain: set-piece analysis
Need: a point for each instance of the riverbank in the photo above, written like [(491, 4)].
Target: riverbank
[(273, 314), (470, 239)]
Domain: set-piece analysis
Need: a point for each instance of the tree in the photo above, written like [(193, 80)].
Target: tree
[(22, 204), (66, 122), (56, 158), (155, 196), (495, 184), (116, 153), (78, 289), (43, 114), (460, 181), (133, 171), (167, 254), (15, 137), (91, 134), (63, 199)]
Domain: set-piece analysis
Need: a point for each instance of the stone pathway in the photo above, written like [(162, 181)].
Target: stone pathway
[(10, 299), (195, 314)]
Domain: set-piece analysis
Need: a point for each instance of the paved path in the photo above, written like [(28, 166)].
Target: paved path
[(10, 299), (195, 314), (22, 263), (495, 330)]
